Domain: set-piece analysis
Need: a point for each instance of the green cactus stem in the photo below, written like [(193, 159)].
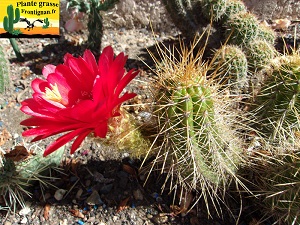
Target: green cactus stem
[(277, 106), (259, 54), (4, 71), (242, 28), (232, 68), (278, 183), (196, 141), (16, 49), (95, 20), (11, 18)]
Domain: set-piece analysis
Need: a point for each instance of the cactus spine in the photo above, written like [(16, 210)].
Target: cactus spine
[(11, 18)]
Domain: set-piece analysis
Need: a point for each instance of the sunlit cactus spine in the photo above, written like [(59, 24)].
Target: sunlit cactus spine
[(196, 141), (231, 66), (4, 70), (278, 183), (95, 20), (17, 176), (276, 108)]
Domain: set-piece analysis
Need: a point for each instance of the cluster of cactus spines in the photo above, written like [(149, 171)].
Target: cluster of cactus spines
[(46, 23), (278, 185), (277, 106), (11, 18), (4, 70), (95, 21), (195, 129), (17, 176), (232, 68)]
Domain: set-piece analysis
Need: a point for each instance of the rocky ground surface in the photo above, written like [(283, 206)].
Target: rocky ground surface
[(102, 186)]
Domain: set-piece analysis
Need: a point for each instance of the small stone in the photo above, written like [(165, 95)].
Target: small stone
[(88, 183), (7, 223), (138, 195), (94, 199), (161, 219), (24, 220), (24, 211), (59, 194), (106, 189), (79, 193)]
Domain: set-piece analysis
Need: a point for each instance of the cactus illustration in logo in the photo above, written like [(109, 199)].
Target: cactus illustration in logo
[(13, 16), (47, 23)]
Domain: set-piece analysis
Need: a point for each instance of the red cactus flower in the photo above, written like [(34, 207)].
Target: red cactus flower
[(77, 98)]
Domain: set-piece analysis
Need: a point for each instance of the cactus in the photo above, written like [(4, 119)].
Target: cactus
[(259, 54), (11, 18), (196, 138), (4, 71), (242, 28), (232, 68), (214, 9), (95, 21), (46, 22), (16, 177), (277, 106), (278, 185)]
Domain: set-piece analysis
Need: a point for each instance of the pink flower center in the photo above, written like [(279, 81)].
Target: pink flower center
[(53, 93)]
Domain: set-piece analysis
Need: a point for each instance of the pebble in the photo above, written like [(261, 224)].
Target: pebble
[(79, 193), (94, 199), (24, 211), (59, 194), (138, 195), (24, 220)]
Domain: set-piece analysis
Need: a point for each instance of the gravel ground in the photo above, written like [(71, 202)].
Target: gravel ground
[(103, 186)]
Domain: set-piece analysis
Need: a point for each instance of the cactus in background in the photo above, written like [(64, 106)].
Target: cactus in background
[(231, 68), (95, 21), (4, 70), (214, 9), (47, 23), (276, 108), (260, 54), (11, 18), (196, 136), (17, 176), (242, 28), (278, 183)]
